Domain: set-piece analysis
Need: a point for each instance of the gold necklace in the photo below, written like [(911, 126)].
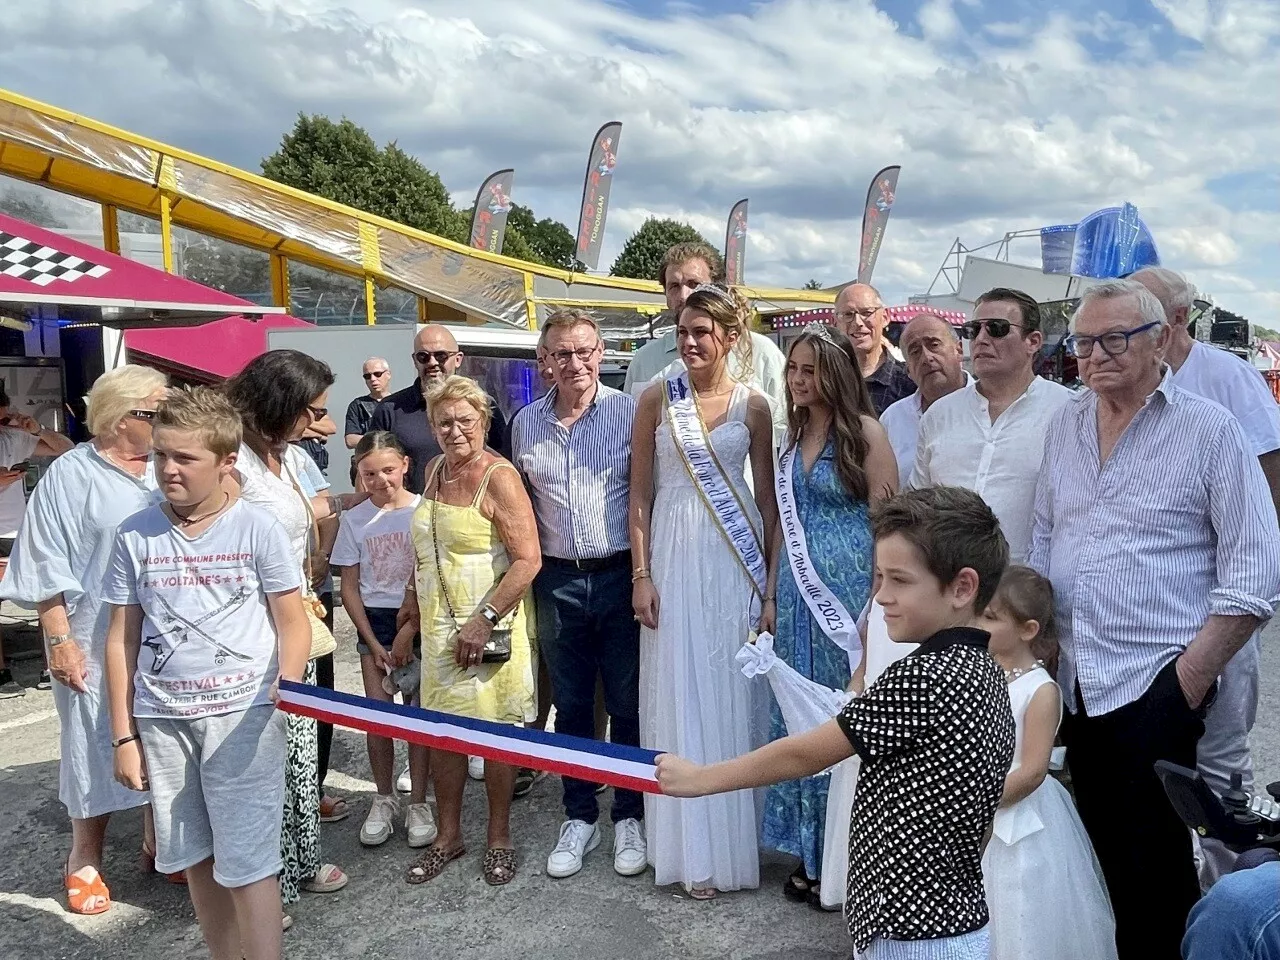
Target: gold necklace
[(461, 470)]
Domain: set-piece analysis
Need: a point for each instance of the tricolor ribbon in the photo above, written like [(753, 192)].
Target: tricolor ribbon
[(630, 768)]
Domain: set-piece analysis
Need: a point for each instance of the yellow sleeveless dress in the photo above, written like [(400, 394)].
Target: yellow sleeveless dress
[(472, 559)]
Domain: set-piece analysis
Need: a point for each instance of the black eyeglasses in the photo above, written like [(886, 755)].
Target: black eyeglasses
[(145, 415), (378, 373), (584, 354), (317, 413), (996, 329), (1113, 344), (441, 357)]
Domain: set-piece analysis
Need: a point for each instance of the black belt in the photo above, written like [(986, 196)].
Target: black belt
[(591, 565)]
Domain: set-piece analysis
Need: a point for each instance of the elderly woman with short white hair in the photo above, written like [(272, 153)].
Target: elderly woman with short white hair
[(58, 564)]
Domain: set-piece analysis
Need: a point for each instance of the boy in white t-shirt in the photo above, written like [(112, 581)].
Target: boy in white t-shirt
[(206, 617)]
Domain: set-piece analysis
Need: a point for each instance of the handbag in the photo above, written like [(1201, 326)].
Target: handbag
[(323, 641), (498, 648)]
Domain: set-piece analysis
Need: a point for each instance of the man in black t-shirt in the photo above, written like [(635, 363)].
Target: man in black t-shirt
[(404, 413), (360, 411)]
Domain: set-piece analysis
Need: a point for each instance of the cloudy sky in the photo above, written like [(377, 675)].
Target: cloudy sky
[(1005, 114)]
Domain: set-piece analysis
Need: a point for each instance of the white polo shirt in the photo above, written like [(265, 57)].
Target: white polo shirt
[(1224, 378), (901, 420), (959, 446)]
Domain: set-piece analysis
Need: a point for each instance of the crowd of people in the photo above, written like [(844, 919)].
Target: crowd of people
[(990, 564)]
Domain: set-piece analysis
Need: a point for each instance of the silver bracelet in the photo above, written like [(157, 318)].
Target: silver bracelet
[(57, 639)]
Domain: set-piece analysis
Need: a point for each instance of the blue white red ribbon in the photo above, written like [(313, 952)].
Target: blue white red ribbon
[(630, 768)]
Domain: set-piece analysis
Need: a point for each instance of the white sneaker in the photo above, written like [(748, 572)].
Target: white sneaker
[(404, 783), (630, 855), (577, 839), (475, 768), (380, 823), (420, 825)]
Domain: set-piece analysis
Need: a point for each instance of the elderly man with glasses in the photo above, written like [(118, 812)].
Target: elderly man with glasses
[(404, 413), (989, 435), (1154, 522), (862, 315), (573, 449)]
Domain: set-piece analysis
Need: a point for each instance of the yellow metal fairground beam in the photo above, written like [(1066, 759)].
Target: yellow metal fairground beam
[(370, 303), (166, 231), (280, 280), (110, 229)]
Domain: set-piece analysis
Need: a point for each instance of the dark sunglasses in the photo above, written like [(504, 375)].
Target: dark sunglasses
[(441, 357), (144, 415), (996, 329), (377, 373)]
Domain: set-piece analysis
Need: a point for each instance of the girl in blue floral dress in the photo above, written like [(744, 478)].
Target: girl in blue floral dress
[(842, 462)]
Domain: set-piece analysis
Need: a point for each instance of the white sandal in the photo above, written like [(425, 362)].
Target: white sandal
[(328, 879)]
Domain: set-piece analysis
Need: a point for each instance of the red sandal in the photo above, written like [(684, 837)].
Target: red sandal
[(178, 879), (82, 893)]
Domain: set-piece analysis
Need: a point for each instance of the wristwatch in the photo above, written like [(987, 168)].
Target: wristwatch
[(490, 614), (57, 638)]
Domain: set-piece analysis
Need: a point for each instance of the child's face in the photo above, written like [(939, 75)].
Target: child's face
[(916, 604), (188, 472), (1009, 635), (382, 472)]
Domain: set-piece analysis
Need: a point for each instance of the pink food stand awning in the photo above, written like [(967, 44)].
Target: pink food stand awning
[(44, 275)]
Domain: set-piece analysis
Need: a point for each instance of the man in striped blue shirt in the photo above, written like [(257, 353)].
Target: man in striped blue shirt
[(1154, 522), (573, 448)]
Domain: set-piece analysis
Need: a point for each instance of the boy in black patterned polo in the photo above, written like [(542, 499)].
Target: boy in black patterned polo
[(935, 734)]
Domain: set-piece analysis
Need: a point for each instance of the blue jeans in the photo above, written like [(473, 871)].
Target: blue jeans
[(586, 628), (1238, 919)]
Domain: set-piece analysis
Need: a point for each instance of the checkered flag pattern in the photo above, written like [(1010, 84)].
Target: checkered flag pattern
[(41, 265)]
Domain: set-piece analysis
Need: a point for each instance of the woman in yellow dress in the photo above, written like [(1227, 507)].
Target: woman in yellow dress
[(476, 543)]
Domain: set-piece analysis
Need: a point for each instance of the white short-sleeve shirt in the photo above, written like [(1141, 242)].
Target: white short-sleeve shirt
[(208, 642), (379, 542), (15, 446), (959, 446), (1224, 378)]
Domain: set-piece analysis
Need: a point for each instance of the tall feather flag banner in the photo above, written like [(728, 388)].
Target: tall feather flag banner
[(880, 197), (630, 768), (489, 216), (735, 245), (595, 193)]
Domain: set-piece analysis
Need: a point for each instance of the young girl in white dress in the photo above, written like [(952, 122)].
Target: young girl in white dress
[(694, 600), (1045, 890)]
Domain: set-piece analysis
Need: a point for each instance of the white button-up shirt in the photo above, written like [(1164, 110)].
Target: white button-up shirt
[(959, 446), (901, 420)]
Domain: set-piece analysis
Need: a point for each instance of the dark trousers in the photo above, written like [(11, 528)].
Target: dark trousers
[(586, 629), (324, 678), (1143, 847)]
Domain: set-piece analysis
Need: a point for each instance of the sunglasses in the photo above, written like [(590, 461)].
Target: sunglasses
[(996, 329), (317, 413), (144, 415), (441, 357), (377, 373)]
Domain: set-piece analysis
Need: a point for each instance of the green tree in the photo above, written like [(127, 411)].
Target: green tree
[(549, 241), (642, 253), (341, 162), (812, 285)]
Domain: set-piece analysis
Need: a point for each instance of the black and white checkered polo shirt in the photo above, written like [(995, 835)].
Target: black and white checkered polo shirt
[(936, 737)]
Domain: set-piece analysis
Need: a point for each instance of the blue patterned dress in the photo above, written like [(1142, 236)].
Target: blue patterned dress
[(838, 531)]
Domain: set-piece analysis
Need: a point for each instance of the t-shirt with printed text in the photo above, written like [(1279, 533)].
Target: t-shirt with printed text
[(209, 646), (379, 541)]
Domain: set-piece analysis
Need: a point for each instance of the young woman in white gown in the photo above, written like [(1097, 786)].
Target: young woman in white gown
[(694, 595), (1045, 890)]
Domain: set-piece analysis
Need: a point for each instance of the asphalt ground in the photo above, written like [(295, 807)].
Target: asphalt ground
[(595, 914)]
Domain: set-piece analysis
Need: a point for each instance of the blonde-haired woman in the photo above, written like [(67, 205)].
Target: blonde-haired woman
[(58, 564), (476, 545), (698, 545)]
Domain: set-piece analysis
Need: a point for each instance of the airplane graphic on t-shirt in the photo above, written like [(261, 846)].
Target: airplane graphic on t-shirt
[(186, 629)]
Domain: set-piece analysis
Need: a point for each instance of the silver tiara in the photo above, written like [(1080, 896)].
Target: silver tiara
[(818, 329), (720, 293)]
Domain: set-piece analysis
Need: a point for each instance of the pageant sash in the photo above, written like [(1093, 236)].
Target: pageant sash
[(717, 490), (630, 768), (826, 607)]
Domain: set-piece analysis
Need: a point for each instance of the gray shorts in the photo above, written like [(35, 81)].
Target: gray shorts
[(217, 790)]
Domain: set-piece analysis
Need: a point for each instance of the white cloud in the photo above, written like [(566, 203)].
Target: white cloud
[(794, 103)]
